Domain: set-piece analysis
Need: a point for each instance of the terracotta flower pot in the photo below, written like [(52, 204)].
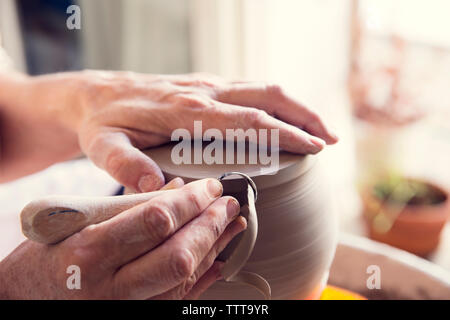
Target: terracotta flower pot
[(413, 227)]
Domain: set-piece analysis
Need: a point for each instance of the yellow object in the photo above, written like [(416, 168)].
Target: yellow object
[(334, 293)]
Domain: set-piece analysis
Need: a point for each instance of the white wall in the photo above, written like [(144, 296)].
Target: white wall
[(138, 35), (302, 45)]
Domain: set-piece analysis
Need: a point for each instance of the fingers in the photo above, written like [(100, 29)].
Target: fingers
[(291, 138), (276, 102), (203, 277), (174, 261), (140, 229), (113, 152)]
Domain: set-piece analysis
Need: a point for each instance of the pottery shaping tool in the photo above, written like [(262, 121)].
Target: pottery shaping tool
[(52, 219)]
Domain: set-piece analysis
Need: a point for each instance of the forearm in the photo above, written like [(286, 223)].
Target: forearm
[(38, 122)]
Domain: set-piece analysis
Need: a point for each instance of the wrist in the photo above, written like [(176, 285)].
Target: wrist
[(56, 97), (38, 122), (12, 86), (51, 98)]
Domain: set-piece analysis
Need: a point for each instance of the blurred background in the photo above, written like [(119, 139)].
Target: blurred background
[(378, 72)]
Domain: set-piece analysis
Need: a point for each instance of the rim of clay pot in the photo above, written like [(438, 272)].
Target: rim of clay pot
[(290, 167), (427, 213)]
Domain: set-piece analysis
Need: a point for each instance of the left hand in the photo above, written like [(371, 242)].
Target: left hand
[(115, 114), (125, 112)]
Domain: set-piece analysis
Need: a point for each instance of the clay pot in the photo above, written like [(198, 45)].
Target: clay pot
[(415, 228), (297, 225)]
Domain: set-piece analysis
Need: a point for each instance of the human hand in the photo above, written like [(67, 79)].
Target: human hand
[(112, 115), (161, 249), (125, 112)]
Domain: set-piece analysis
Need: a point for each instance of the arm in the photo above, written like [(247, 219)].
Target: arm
[(110, 116), (34, 130)]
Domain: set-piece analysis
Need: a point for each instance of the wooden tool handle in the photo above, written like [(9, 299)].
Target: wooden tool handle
[(52, 219)]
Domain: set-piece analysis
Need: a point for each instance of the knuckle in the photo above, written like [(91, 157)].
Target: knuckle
[(314, 117), (158, 222), (98, 86), (216, 230), (215, 226), (115, 161), (191, 101), (204, 83), (194, 200), (83, 249), (274, 90), (256, 117), (182, 265)]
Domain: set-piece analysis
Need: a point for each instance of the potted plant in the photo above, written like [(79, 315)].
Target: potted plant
[(406, 213)]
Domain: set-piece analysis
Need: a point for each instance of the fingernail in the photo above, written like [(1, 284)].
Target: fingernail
[(334, 136), (149, 183), (215, 188), (316, 144), (233, 208)]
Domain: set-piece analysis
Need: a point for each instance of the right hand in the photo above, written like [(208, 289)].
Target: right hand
[(165, 248)]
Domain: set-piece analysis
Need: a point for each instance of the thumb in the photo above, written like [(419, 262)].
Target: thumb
[(113, 152)]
